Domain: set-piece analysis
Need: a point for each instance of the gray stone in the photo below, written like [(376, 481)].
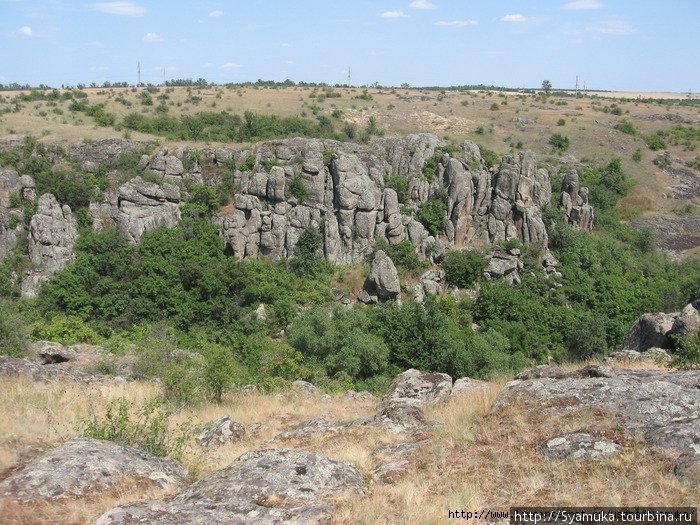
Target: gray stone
[(145, 206), (649, 331), (660, 406), (383, 277), (579, 446), (419, 388), (261, 487), (221, 431), (82, 467), (467, 386), (305, 387)]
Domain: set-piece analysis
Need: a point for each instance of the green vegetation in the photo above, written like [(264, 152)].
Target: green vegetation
[(463, 268), (431, 214), (147, 429), (225, 127), (559, 142), (626, 127), (400, 185)]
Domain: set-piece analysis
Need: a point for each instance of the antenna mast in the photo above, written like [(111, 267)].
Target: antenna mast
[(576, 86), (139, 73), (348, 76)]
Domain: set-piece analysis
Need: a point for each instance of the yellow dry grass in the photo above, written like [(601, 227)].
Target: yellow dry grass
[(475, 459)]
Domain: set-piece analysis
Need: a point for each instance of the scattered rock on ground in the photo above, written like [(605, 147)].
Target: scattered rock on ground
[(305, 387), (420, 388), (389, 473), (579, 446), (467, 385), (221, 431)]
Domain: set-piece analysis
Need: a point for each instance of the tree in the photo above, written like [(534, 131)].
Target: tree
[(547, 87)]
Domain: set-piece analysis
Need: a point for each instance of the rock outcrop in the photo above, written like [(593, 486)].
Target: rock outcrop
[(144, 206), (574, 201), (579, 446), (221, 431), (660, 406), (53, 232), (82, 467), (655, 330), (383, 279), (262, 487)]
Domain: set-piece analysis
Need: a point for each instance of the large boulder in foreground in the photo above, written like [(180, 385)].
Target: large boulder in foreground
[(656, 330), (663, 407), (84, 467), (261, 487)]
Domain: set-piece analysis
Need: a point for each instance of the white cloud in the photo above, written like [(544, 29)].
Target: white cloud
[(456, 23), (613, 27), (421, 4), (216, 13), (230, 65), (25, 31), (152, 37), (393, 14), (119, 8), (578, 5), (285, 44), (515, 18)]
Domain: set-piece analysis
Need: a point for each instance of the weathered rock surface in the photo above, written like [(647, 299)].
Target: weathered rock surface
[(53, 232), (49, 373), (221, 431), (574, 201), (502, 265), (144, 206), (392, 472), (261, 487), (383, 280), (652, 355), (305, 387), (655, 330), (82, 467), (419, 388), (467, 385), (663, 407), (579, 446)]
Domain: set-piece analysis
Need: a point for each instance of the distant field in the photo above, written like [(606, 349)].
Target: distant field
[(502, 122)]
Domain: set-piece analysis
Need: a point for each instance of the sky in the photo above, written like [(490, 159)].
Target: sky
[(644, 45)]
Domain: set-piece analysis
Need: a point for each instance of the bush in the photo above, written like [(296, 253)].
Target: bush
[(686, 355), (463, 268), (307, 258), (399, 185), (431, 214), (67, 330), (626, 127), (491, 158), (147, 429), (430, 167), (402, 254), (561, 122), (587, 339), (13, 336), (655, 141), (298, 189), (559, 142)]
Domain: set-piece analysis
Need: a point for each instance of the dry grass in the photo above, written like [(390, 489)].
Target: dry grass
[(475, 459)]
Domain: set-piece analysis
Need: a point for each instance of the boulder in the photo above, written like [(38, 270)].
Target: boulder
[(84, 467), (579, 446), (221, 431), (419, 388), (261, 487), (660, 406), (383, 277), (687, 322), (467, 386), (649, 331), (401, 417), (305, 387)]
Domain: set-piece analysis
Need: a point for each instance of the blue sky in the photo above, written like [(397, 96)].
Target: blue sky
[(610, 44)]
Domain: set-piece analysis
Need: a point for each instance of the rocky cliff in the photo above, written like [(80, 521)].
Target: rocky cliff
[(354, 194)]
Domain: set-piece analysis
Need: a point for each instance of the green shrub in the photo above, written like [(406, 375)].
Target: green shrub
[(655, 141), (494, 107), (400, 185), (463, 268), (491, 158), (432, 214), (402, 254), (637, 156), (308, 258), (430, 167), (686, 355), (13, 333), (298, 189), (561, 122), (147, 428), (587, 339), (67, 330), (626, 127), (559, 142)]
